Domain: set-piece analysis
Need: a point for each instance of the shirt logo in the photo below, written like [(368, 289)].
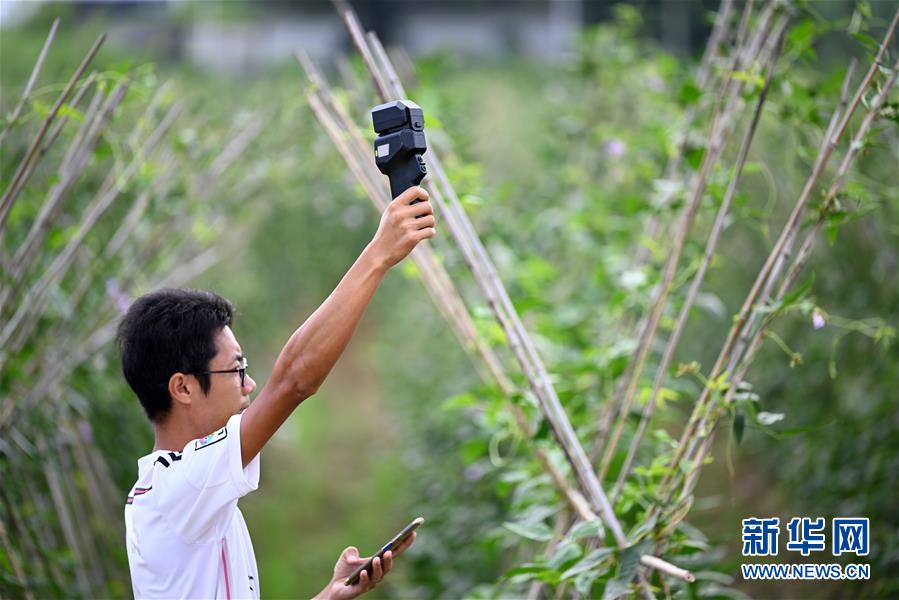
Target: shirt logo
[(211, 438)]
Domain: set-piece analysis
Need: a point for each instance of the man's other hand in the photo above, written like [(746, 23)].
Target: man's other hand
[(403, 226), (349, 561)]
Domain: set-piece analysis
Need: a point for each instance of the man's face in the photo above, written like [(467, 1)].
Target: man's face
[(226, 396)]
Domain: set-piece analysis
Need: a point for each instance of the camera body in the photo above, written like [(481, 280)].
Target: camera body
[(400, 144)]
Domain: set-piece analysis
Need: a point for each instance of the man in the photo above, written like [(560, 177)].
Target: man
[(185, 536)]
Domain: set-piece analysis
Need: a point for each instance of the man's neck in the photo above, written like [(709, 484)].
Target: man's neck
[(173, 435)]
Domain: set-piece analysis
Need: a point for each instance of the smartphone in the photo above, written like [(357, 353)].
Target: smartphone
[(396, 541)]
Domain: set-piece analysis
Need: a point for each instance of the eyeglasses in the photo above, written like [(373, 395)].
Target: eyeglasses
[(242, 369)]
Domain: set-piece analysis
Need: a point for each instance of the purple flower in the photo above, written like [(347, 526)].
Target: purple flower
[(615, 148), (818, 319), (118, 297), (474, 472), (87, 433)]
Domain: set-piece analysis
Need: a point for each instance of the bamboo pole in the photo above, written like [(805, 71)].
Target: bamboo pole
[(47, 538), (719, 32), (36, 571), (711, 244), (776, 256), (90, 565), (729, 92), (19, 178), (47, 207), (32, 79), (806, 245), (73, 164), (12, 552), (189, 267), (651, 228), (718, 138), (63, 512), (110, 190), (856, 143), (158, 188)]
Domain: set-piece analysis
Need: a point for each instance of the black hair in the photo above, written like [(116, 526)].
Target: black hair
[(167, 332)]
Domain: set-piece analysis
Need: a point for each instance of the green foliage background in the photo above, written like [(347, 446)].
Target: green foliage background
[(558, 167)]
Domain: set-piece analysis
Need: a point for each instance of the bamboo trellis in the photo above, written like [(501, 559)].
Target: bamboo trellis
[(758, 39), (56, 493), (696, 439), (589, 500)]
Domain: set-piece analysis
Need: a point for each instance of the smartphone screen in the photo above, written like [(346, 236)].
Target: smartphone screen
[(393, 543)]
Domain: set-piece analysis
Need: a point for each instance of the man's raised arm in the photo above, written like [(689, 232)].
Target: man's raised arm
[(314, 348)]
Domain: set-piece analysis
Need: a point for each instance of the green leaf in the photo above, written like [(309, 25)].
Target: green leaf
[(866, 40), (630, 560), (694, 157), (66, 110), (531, 571), (524, 570), (473, 450), (584, 583), (665, 395), (644, 528), (792, 297), (739, 425), (459, 401), (831, 230), (615, 588), (889, 111), (801, 33), (752, 78), (793, 431), (539, 532), (679, 513), (544, 432), (41, 108), (585, 529), (590, 561), (565, 555), (550, 576), (627, 568), (689, 94)]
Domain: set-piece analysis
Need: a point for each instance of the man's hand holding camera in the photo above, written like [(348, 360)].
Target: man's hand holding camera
[(403, 225)]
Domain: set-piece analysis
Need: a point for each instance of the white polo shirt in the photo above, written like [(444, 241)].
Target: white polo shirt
[(185, 535)]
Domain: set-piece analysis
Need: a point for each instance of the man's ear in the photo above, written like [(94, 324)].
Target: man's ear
[(180, 389)]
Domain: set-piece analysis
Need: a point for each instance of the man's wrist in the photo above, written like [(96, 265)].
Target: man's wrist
[(327, 593), (323, 595), (375, 260)]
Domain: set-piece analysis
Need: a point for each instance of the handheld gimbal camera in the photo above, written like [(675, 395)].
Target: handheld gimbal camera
[(400, 126)]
